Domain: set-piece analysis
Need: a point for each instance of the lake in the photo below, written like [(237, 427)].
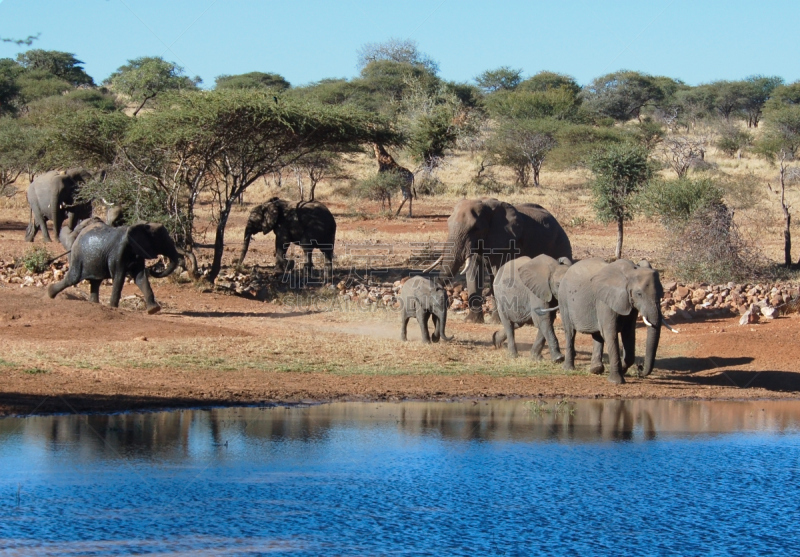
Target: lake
[(607, 477)]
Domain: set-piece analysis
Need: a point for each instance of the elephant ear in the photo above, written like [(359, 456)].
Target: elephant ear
[(505, 225), (535, 275), (270, 216), (140, 239), (611, 286)]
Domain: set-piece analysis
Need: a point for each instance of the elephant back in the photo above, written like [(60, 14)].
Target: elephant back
[(316, 221), (542, 233)]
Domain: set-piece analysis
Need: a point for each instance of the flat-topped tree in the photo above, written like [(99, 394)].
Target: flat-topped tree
[(144, 79)]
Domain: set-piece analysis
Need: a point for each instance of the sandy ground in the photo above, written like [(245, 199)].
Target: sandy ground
[(208, 348)]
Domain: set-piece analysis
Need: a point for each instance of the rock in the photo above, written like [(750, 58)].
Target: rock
[(464, 296), (750, 316), (681, 292), (141, 339), (699, 294), (769, 312), (670, 286)]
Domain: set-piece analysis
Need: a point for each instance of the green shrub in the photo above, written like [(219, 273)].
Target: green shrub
[(37, 260), (379, 187), (733, 140), (676, 201)]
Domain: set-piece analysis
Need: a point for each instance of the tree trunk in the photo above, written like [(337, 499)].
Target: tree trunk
[(219, 241), (787, 217), (620, 225)]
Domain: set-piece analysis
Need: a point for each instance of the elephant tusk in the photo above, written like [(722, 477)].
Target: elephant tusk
[(435, 263), (671, 329), (466, 266), (646, 322)]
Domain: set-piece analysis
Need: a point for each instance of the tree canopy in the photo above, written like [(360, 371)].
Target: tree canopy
[(143, 79), (253, 80)]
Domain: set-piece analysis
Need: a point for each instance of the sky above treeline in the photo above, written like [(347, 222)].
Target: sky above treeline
[(305, 41)]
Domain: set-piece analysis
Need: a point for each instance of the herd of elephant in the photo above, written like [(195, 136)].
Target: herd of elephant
[(521, 253)]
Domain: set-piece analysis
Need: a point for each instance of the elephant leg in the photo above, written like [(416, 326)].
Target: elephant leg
[(41, 223), (328, 265), (280, 255), (628, 335), (538, 346), (597, 366), (117, 282), (614, 363), (422, 319), (569, 340), (475, 300), (410, 201), (435, 334), (547, 332), (404, 325), (143, 283), (72, 278), (508, 330), (499, 337), (309, 259), (95, 290)]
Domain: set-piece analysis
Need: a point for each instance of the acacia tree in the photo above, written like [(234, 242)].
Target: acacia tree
[(620, 171), (404, 51), (523, 145), (781, 142), (252, 80), (501, 79), (622, 95), (143, 79), (62, 65)]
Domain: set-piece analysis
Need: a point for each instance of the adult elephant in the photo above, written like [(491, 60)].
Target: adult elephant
[(604, 300), (521, 287), (53, 197), (498, 231), (309, 224), (100, 251)]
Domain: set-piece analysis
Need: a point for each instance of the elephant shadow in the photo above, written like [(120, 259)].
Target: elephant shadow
[(686, 370), (219, 314), (686, 365)]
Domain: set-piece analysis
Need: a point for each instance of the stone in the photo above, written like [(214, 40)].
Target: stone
[(769, 312), (681, 292), (670, 286)]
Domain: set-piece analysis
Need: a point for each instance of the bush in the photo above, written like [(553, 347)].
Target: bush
[(733, 140), (37, 260), (708, 247), (379, 187), (677, 201)]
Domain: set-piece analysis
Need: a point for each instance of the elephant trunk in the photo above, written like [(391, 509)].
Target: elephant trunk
[(168, 270), (248, 234), (188, 262), (653, 337)]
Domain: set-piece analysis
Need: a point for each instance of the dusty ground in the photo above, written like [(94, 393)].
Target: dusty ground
[(209, 348)]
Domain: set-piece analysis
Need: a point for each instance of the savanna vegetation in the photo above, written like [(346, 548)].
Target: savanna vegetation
[(695, 160)]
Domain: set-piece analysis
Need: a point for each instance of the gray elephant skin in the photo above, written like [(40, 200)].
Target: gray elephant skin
[(522, 286), (423, 298), (101, 252), (309, 224), (499, 231), (604, 300), (53, 197)]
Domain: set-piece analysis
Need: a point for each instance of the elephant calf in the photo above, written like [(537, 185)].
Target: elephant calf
[(522, 286), (308, 224), (423, 297), (100, 252)]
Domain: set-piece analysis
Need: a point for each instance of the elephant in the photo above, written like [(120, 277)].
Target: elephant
[(604, 300), (308, 224), (100, 251), (521, 287), (499, 231), (52, 197), (424, 297)]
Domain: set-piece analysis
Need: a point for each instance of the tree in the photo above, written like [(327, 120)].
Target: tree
[(523, 145), (143, 79), (62, 65), (253, 80), (679, 152), (501, 79), (754, 93), (620, 172), (781, 142), (559, 103), (9, 87), (621, 95), (404, 51), (18, 151), (39, 84), (548, 81)]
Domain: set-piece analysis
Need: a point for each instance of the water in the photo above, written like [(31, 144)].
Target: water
[(496, 478)]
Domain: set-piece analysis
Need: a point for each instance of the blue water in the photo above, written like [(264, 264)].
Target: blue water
[(500, 478)]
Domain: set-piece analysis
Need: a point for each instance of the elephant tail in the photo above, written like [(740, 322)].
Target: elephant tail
[(544, 311)]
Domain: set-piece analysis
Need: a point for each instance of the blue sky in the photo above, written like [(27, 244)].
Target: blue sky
[(693, 40)]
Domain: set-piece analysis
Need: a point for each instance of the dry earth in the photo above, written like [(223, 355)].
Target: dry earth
[(210, 348)]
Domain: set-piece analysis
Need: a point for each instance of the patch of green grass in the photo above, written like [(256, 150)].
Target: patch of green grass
[(35, 371), (5, 363)]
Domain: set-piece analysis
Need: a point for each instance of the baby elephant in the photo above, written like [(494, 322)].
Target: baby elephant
[(422, 297)]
